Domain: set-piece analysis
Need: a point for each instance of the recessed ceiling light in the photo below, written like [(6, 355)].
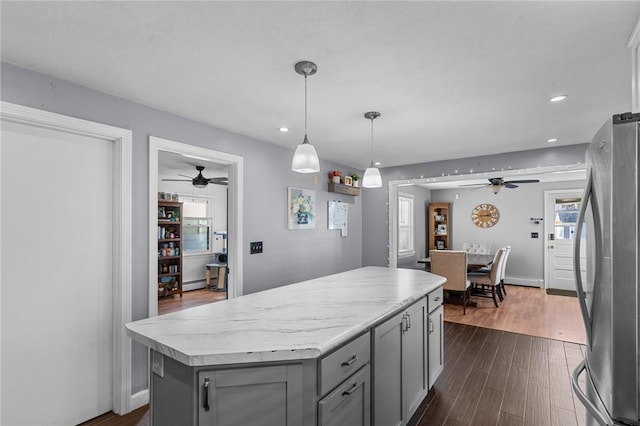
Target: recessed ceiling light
[(377, 163), (558, 98), (552, 140), (284, 129)]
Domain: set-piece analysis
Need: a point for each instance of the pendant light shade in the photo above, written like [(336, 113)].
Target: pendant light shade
[(372, 177), (305, 158)]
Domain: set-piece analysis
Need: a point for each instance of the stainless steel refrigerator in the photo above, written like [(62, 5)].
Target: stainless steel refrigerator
[(609, 294)]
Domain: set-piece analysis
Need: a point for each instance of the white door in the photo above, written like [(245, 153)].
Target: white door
[(57, 279), (561, 214)]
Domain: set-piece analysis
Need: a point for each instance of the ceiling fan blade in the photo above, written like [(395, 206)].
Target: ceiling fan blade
[(218, 179), (474, 184), (185, 176), (510, 185), (524, 181), (177, 180)]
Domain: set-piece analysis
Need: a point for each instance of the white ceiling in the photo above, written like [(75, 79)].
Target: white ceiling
[(451, 79)]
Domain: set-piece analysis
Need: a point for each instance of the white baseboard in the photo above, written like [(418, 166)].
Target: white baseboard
[(524, 281), (139, 399), (193, 286)]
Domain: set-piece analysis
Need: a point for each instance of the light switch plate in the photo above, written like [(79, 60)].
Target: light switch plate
[(255, 247)]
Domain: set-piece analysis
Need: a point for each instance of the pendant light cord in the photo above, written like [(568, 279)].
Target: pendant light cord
[(372, 141), (305, 105)]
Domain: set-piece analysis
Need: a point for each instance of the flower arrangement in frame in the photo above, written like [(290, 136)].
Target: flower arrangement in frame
[(301, 208)]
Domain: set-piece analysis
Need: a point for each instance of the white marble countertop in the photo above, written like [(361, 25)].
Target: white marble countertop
[(297, 321)]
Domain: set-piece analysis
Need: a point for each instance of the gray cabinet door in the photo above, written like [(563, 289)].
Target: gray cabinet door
[(387, 376), (400, 379), (349, 404), (435, 327), (414, 358), (261, 395)]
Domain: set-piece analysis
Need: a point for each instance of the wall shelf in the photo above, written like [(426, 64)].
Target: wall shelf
[(344, 189)]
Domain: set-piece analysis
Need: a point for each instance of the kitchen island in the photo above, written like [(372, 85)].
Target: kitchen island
[(358, 347)]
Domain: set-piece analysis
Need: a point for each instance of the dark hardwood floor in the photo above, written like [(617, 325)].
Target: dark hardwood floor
[(491, 377), (494, 377)]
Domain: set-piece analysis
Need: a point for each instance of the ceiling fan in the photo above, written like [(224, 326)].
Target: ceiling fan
[(496, 184), (201, 181)]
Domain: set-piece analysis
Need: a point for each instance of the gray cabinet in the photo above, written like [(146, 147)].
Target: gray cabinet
[(435, 328), (400, 362), (268, 395), (349, 403)]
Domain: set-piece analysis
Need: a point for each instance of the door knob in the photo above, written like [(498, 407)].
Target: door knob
[(552, 247)]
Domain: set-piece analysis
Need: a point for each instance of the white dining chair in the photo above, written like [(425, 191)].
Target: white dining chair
[(477, 248)]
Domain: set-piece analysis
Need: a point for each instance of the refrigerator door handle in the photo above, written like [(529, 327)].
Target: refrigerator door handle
[(591, 408), (588, 196)]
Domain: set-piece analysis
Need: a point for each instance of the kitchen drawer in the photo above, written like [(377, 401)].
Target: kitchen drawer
[(349, 404), (339, 365), (435, 299)]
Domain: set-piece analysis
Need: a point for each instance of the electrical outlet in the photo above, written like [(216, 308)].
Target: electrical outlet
[(534, 235), (157, 363), (255, 247)]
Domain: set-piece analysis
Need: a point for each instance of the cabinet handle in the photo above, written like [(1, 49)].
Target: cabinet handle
[(206, 394), (431, 327), (351, 390), (408, 321), (351, 361), (405, 323)]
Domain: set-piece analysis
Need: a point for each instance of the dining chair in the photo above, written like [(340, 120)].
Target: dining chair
[(485, 285), (507, 250), (452, 264), (476, 248)]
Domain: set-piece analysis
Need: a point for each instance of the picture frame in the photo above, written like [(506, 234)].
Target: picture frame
[(348, 180), (441, 230), (301, 208), (440, 245)]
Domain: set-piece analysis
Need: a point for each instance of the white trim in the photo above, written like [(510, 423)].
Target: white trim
[(395, 184), (524, 281), (139, 399), (234, 207), (634, 43), (122, 166)]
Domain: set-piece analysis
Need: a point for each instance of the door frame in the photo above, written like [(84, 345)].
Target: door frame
[(122, 228), (395, 184), (234, 208), (549, 225)]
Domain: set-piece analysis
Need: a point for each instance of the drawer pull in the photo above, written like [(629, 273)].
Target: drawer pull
[(351, 361), (351, 390), (206, 394), (435, 299)]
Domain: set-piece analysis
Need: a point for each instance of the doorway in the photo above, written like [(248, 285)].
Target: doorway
[(233, 166), (561, 214), (67, 243)]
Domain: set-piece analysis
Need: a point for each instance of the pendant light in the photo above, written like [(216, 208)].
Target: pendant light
[(305, 158), (372, 177)]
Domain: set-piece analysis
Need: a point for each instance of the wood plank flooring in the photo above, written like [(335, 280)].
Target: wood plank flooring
[(189, 299), (494, 377), (525, 310)]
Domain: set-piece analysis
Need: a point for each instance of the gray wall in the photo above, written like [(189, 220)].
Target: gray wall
[(516, 207), (289, 256), (375, 224)]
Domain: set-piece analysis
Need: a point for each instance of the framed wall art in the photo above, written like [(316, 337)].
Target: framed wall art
[(301, 208)]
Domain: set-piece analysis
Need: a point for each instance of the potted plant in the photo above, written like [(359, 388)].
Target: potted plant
[(334, 176), (355, 178)]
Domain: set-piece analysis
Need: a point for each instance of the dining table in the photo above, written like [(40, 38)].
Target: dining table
[(474, 261)]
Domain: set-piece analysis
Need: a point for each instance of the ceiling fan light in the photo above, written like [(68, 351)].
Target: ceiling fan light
[(305, 158), (495, 188), (372, 178), (200, 185)]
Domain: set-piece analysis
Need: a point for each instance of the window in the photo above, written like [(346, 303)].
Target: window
[(196, 225), (405, 225), (566, 212)]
